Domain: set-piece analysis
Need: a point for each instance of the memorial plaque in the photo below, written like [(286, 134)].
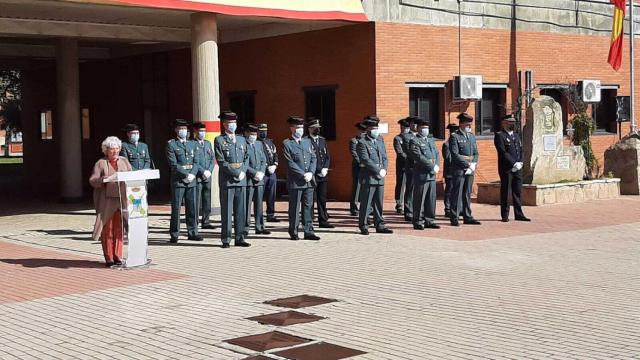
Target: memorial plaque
[(563, 162), (550, 143)]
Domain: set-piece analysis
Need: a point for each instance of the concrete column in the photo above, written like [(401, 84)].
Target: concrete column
[(68, 117), (205, 84)]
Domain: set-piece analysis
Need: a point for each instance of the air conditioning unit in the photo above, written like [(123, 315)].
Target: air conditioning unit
[(590, 90), (467, 87)]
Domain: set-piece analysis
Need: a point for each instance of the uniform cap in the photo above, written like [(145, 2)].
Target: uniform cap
[(403, 122), (251, 127), (509, 118), (263, 127), (465, 118), (313, 122), (198, 125), (295, 120), (453, 127), (360, 126), (228, 115), (413, 119), (180, 122), (423, 122), (131, 127)]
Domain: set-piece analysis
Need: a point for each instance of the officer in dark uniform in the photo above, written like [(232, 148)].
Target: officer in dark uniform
[(401, 159), (464, 161), (509, 148), (301, 165), (322, 170), (446, 171), (207, 160), (355, 169), (134, 150), (409, 168), (426, 158), (232, 158), (373, 169), (255, 178), (270, 178), (184, 165)]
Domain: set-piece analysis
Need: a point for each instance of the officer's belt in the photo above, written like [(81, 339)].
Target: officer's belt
[(467, 157), (235, 165), (187, 167)]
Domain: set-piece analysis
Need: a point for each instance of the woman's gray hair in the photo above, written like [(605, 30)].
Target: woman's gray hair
[(111, 142)]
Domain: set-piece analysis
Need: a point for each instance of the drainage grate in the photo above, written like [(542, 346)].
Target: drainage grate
[(300, 301), (285, 318), (319, 351), (267, 341)]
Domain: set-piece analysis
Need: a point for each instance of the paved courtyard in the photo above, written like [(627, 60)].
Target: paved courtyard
[(566, 286)]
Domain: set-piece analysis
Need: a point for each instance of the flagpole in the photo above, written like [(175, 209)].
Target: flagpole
[(632, 107)]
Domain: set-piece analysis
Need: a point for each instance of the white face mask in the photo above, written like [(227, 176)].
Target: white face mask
[(467, 129), (182, 133), (252, 138), (375, 133), (231, 127), (134, 138), (424, 132), (298, 133), (201, 135), (405, 130)]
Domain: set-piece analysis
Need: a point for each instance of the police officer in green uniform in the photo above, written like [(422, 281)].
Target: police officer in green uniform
[(373, 169), (426, 158), (464, 161), (355, 169), (401, 159), (447, 174), (409, 168), (207, 159), (301, 164), (184, 165), (256, 171), (134, 150), (233, 158)]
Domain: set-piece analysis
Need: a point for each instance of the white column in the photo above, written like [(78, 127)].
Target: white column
[(205, 84), (68, 118)]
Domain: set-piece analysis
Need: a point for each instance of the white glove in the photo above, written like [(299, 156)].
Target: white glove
[(436, 169), (259, 176), (272, 169), (472, 166), (519, 165), (308, 176), (241, 176), (324, 172), (383, 173), (468, 171), (190, 178), (207, 174)]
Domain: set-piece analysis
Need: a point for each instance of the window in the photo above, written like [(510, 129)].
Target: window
[(488, 111), (604, 112), (425, 104), (46, 125), (320, 102), (243, 103)]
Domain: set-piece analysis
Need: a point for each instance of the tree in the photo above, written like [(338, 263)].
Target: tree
[(10, 96)]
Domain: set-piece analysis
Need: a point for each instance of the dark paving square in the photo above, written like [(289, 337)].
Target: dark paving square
[(300, 301), (257, 357), (320, 351), (285, 318), (267, 341)]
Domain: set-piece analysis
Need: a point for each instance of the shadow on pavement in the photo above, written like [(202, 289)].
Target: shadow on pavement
[(54, 263)]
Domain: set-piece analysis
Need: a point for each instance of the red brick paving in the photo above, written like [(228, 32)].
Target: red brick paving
[(28, 273)]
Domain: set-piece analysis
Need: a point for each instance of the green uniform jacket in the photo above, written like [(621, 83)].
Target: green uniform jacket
[(464, 150), (353, 144), (257, 163), (301, 159), (138, 155), (446, 160), (406, 140), (401, 156), (425, 156), (206, 158), (373, 158), (233, 158), (183, 161)]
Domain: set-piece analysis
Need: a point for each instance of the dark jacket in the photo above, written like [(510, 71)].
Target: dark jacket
[(232, 158), (509, 148), (425, 156), (464, 150), (322, 156), (301, 159), (373, 158), (183, 161)]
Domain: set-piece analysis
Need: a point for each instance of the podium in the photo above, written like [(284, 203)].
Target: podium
[(135, 213)]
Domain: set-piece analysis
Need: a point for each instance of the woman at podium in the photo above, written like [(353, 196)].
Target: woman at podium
[(107, 198)]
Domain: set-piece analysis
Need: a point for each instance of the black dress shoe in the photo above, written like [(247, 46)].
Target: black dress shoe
[(471, 222), (432, 226), (117, 262), (226, 246), (408, 219), (109, 264), (354, 212), (447, 214), (364, 231), (245, 232), (384, 231), (173, 240), (242, 244), (294, 237), (455, 222), (399, 210), (326, 226), (505, 220), (207, 226), (272, 219), (522, 218), (418, 227), (195, 237), (312, 237), (263, 232)]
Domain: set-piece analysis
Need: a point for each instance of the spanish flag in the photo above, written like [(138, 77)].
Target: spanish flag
[(617, 33)]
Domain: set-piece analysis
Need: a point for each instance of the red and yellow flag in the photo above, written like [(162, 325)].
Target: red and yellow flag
[(617, 34)]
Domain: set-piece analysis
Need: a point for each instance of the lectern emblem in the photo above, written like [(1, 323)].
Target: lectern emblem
[(136, 206)]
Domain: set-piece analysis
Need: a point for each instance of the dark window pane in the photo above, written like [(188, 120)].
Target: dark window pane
[(322, 105), (604, 112), (425, 103), (243, 104), (488, 111)]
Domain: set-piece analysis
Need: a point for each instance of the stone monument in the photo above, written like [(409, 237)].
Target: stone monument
[(546, 159), (623, 161)]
